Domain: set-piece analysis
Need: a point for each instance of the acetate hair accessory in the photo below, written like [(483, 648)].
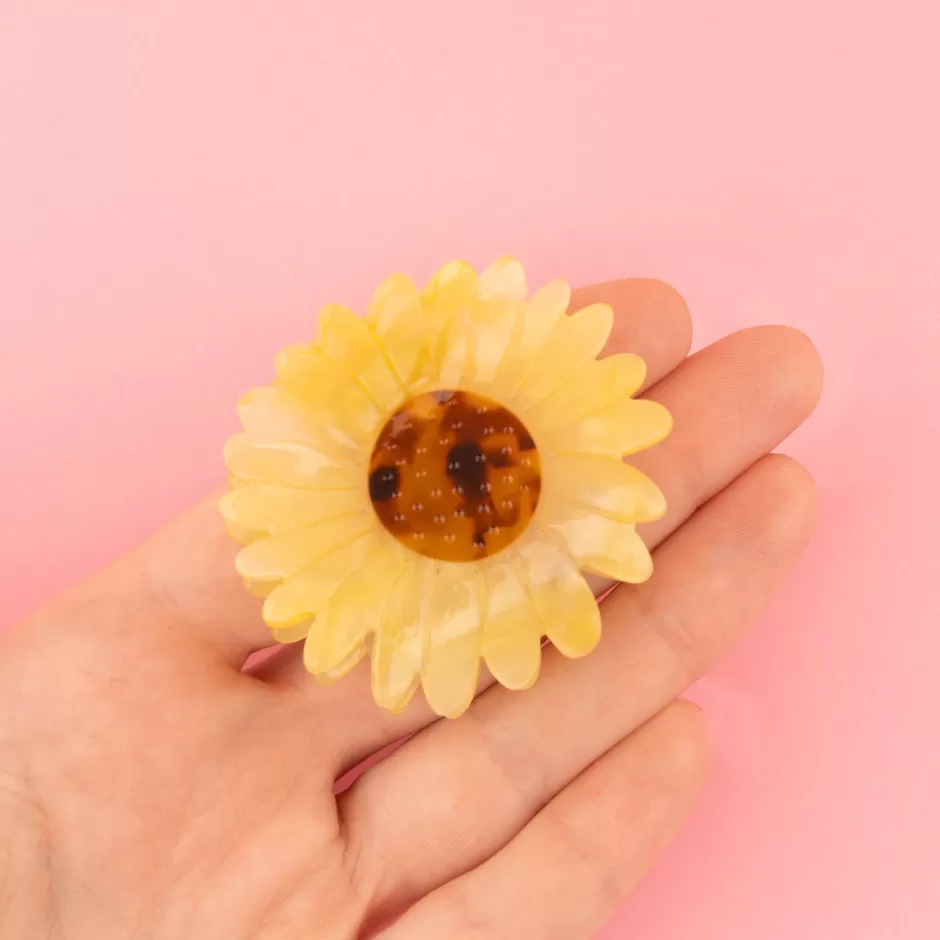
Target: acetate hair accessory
[(426, 484)]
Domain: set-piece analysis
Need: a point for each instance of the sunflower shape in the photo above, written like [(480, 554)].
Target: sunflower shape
[(427, 484)]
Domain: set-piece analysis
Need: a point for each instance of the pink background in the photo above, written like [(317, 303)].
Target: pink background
[(182, 183)]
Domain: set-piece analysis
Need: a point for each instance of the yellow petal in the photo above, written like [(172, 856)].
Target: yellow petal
[(273, 509), (396, 316), (398, 648), (433, 347), (491, 333), (307, 592), (596, 384), (454, 283), (512, 632), (333, 397), (356, 609), (242, 534), (347, 341), (598, 543), (260, 588), (288, 463), (448, 298), (574, 339), (291, 633), (504, 278), (605, 484), (280, 556), (329, 676), (548, 303), (451, 619), (270, 414), (625, 427), (564, 602), (449, 365), (535, 320)]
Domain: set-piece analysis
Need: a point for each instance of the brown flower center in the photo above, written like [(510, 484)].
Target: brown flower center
[(454, 476)]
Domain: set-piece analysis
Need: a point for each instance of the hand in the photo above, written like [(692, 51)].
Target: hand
[(152, 788)]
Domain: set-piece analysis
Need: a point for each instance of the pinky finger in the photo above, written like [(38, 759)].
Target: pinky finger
[(564, 875)]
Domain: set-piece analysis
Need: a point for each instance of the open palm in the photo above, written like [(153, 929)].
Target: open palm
[(150, 787)]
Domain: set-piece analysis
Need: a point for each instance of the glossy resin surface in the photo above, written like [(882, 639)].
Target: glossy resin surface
[(455, 476)]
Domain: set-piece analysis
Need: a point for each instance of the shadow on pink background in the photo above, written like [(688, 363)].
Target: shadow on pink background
[(182, 184)]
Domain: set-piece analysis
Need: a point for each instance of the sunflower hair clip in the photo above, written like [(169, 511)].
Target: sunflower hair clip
[(426, 485)]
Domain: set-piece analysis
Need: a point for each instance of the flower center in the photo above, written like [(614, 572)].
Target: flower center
[(454, 476)]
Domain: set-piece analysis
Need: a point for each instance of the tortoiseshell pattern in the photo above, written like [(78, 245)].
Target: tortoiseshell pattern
[(454, 476)]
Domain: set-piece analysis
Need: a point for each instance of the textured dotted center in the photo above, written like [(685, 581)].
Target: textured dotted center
[(454, 476)]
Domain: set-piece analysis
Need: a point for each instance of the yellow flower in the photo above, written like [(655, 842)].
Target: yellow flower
[(426, 484)]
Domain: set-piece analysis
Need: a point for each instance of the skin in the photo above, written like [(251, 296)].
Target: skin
[(151, 788)]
